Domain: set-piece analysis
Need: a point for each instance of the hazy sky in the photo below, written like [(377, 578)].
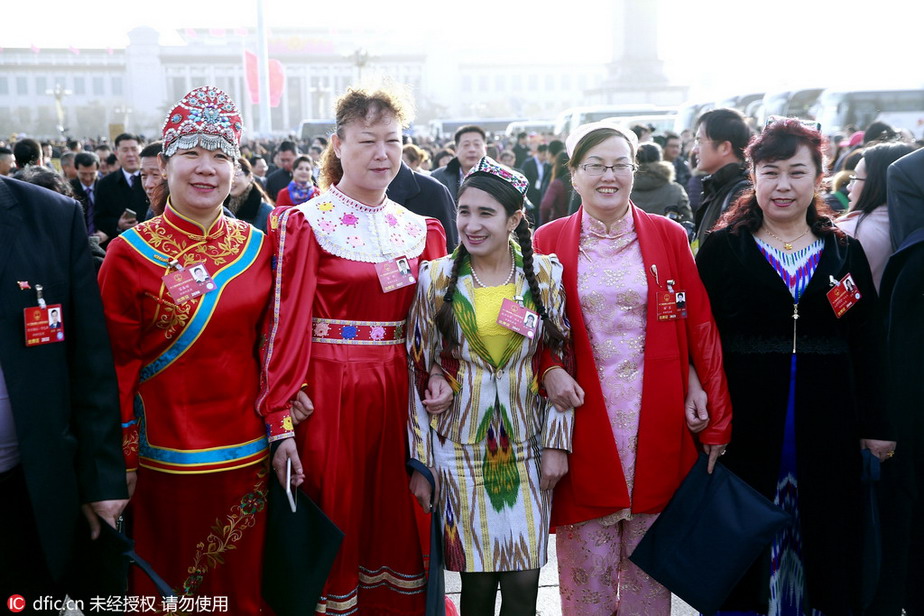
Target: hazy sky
[(716, 46)]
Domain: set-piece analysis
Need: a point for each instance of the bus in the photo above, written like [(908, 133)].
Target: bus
[(569, 119), (741, 102), (788, 104), (689, 113), (839, 110), (309, 129), (529, 126), (445, 129), (659, 124)]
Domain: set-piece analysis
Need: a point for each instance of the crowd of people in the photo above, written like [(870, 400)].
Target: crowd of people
[(555, 328)]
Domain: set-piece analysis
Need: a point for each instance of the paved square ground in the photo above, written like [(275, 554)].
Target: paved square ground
[(548, 604)]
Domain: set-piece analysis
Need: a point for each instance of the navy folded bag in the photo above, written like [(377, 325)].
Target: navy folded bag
[(710, 533)]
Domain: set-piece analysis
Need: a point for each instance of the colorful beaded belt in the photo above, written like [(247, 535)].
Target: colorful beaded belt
[(334, 331)]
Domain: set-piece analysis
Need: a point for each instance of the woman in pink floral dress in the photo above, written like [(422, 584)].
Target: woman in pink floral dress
[(636, 343)]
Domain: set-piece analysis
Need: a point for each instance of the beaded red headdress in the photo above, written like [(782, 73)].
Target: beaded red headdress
[(205, 117)]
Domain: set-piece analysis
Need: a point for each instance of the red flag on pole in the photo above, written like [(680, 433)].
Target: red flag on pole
[(277, 79), (277, 82)]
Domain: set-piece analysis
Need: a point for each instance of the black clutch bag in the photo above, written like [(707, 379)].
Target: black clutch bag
[(300, 550), (710, 533)]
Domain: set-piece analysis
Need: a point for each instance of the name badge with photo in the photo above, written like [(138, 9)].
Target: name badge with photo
[(518, 318), (189, 283), (44, 324), (844, 296), (671, 305), (395, 274)]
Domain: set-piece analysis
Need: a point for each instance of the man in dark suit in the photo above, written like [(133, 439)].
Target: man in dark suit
[(120, 191), (901, 486), (60, 437), (427, 197), (286, 154), (85, 186), (521, 150), (535, 168), (471, 147)]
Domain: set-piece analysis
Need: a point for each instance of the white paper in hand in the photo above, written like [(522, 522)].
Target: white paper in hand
[(289, 484)]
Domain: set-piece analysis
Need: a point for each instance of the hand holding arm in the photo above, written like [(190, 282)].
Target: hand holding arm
[(695, 408), (562, 390), (301, 407), (438, 396)]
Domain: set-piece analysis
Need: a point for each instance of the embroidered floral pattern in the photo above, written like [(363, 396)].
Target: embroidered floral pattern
[(218, 248), (170, 317), (377, 333), (130, 441), (348, 332), (321, 330), (355, 231), (225, 533), (191, 247)]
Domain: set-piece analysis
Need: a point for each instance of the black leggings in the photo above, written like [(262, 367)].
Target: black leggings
[(519, 591)]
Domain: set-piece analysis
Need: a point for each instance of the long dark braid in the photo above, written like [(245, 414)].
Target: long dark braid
[(552, 336), (445, 318)]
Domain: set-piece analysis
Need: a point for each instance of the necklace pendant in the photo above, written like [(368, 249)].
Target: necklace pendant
[(787, 246)]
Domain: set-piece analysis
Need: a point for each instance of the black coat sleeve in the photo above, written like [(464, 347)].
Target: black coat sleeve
[(94, 418)]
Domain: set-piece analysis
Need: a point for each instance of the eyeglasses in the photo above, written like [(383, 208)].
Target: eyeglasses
[(598, 169), (854, 178)]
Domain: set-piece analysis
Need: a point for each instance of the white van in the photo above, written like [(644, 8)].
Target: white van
[(900, 108), (569, 119)]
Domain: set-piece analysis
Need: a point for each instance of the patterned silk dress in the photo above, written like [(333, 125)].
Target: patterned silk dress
[(593, 556), (487, 446)]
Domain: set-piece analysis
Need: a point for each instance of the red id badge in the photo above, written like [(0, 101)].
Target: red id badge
[(517, 318), (189, 283), (44, 325), (394, 274), (671, 305), (843, 296)]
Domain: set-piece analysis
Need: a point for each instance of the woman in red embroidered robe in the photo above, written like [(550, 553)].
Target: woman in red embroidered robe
[(336, 344), (184, 295)]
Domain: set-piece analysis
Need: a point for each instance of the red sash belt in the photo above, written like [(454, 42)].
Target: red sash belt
[(334, 331)]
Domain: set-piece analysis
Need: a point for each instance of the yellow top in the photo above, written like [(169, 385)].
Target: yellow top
[(488, 302)]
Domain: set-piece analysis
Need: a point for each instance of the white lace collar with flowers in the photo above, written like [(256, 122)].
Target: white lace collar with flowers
[(352, 230)]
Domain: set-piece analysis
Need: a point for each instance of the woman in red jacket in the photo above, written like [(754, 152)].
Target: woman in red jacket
[(301, 188), (184, 295), (640, 317)]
